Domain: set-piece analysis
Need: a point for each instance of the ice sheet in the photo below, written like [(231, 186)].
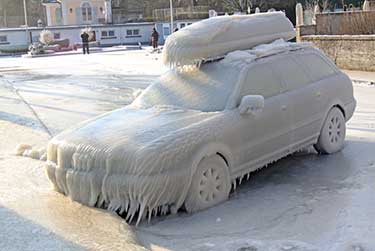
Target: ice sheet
[(304, 202)]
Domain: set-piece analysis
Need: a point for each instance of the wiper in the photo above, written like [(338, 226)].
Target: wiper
[(209, 60)]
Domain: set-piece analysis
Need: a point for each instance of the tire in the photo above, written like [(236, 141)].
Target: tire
[(332, 134), (210, 184)]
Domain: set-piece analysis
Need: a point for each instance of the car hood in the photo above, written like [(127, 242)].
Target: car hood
[(123, 136)]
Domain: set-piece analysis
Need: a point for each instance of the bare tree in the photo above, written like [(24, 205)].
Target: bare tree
[(3, 12), (326, 5), (243, 5), (323, 4)]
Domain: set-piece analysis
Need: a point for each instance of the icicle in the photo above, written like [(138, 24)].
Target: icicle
[(122, 210), (143, 205), (21, 148), (173, 209), (126, 205), (131, 212), (150, 212), (164, 210)]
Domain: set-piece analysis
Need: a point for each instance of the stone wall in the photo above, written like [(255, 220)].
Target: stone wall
[(305, 30), (351, 52)]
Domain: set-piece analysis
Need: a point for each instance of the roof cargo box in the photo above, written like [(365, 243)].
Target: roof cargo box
[(215, 37)]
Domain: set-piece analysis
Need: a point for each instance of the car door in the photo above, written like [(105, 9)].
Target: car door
[(304, 101), (264, 134), (323, 77)]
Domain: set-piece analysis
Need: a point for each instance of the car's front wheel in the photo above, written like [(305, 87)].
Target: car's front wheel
[(210, 184), (333, 132)]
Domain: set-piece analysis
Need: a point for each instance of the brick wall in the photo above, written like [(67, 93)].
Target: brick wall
[(351, 52)]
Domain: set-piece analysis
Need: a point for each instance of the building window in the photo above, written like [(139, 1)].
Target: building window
[(3, 39), (56, 35), (58, 15), (108, 34), (86, 12), (132, 33), (166, 31)]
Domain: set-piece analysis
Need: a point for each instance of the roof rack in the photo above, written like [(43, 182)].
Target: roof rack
[(261, 51)]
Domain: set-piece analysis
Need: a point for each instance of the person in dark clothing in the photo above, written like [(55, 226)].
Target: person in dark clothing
[(85, 43), (154, 38)]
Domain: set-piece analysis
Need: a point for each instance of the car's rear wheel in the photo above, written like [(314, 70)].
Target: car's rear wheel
[(210, 184), (332, 134)]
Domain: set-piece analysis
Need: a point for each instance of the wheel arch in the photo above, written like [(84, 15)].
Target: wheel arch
[(341, 109), (323, 146), (335, 103), (211, 149), (205, 151)]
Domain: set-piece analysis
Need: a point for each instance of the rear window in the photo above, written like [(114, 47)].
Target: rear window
[(316, 66), (290, 72)]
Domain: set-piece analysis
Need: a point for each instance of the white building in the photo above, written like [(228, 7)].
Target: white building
[(105, 35), (77, 12)]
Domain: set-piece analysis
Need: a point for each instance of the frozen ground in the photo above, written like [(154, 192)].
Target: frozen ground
[(304, 202)]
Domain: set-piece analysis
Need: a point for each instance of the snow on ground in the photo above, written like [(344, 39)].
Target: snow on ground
[(303, 202)]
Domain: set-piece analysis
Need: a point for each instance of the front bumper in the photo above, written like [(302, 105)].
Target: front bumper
[(121, 192)]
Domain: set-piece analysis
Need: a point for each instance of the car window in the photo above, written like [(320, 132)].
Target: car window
[(260, 80), (290, 72), (206, 89), (317, 67)]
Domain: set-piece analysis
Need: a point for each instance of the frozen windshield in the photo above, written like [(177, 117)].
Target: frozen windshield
[(206, 89)]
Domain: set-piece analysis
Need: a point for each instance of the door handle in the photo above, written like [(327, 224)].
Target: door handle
[(283, 107)]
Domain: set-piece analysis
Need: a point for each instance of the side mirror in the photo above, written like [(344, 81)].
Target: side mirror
[(251, 104)]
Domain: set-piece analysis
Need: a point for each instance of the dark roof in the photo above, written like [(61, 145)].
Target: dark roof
[(50, 1)]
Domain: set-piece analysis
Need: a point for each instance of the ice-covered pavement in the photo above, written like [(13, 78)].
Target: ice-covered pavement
[(303, 202)]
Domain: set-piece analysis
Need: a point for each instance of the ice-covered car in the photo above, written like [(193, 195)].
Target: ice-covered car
[(190, 135), (222, 112)]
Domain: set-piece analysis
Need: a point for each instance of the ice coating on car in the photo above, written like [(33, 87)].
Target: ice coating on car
[(205, 89), (140, 162), (183, 141), (138, 159), (241, 57), (217, 36)]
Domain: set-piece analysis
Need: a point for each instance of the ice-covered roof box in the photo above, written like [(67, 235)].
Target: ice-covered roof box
[(218, 36)]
